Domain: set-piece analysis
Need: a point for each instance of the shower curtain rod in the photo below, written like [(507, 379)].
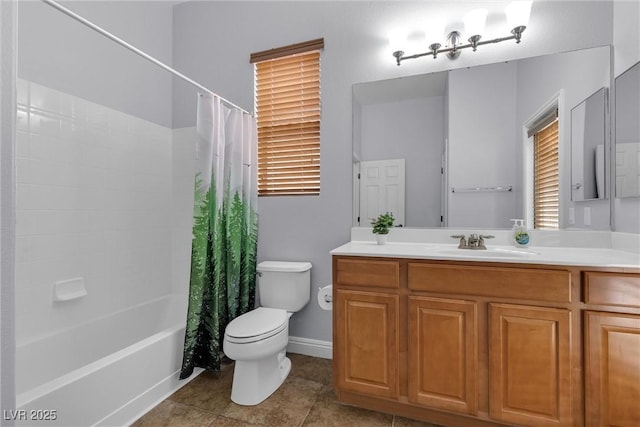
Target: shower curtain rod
[(135, 50)]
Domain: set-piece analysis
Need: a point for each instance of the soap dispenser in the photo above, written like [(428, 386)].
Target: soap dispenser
[(520, 233)]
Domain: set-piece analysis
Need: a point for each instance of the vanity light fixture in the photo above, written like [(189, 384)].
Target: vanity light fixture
[(517, 18)]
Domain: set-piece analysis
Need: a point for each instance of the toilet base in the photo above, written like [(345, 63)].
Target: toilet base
[(255, 380)]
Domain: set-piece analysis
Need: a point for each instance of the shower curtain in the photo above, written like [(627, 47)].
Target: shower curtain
[(225, 230)]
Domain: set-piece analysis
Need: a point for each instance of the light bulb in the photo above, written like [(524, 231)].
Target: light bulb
[(474, 22), (397, 41), (518, 13), (434, 33)]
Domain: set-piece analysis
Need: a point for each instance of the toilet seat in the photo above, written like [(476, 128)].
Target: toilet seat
[(256, 325)]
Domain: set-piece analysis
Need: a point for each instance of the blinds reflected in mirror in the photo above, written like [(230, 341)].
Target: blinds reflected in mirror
[(546, 202)]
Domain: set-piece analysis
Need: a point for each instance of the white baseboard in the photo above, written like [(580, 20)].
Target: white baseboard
[(309, 347)]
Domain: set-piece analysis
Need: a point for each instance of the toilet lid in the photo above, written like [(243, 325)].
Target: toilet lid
[(284, 266), (257, 323)]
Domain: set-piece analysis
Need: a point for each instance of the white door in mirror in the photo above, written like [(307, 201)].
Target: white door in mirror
[(382, 189), (628, 169)]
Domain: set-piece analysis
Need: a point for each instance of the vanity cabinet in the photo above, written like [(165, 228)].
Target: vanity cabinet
[(529, 365), (612, 349), (487, 343)]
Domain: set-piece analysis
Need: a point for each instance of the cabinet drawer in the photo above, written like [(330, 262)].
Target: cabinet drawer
[(370, 273), (522, 283), (612, 289)]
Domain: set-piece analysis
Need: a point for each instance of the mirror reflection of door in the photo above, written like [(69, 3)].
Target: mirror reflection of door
[(628, 169), (382, 189)]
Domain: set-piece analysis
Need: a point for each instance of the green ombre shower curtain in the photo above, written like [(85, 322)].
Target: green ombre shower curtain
[(225, 230)]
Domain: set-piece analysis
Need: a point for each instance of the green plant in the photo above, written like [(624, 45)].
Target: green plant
[(382, 223)]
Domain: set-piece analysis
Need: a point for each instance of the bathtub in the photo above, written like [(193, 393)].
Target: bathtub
[(106, 372)]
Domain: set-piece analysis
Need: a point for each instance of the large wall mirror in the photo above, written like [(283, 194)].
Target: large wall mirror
[(628, 133), (452, 148)]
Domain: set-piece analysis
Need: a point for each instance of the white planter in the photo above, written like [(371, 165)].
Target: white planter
[(381, 238)]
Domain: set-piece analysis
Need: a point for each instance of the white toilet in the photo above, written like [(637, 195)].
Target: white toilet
[(257, 340)]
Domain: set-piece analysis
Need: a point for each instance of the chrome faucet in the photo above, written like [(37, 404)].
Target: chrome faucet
[(475, 241)]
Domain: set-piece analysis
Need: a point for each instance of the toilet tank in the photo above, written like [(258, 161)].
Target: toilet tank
[(284, 285)]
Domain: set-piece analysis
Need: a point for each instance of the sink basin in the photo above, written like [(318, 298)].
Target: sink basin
[(489, 253)]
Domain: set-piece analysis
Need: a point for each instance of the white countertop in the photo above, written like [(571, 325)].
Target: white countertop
[(575, 256)]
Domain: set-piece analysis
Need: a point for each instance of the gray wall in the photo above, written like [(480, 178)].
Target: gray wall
[(212, 43)]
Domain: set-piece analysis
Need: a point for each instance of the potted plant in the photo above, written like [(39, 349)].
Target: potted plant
[(381, 227)]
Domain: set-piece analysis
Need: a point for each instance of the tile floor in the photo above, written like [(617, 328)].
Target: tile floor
[(305, 399)]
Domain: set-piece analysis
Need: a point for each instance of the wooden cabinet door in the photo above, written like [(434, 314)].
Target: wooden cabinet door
[(529, 365), (443, 354), (366, 340), (612, 369)]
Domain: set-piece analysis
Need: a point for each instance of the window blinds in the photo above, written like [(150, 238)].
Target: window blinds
[(287, 96), (546, 182)]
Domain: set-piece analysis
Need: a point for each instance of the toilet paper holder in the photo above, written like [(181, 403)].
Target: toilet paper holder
[(327, 297)]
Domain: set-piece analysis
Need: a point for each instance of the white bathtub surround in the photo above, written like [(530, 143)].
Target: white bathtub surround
[(114, 377), (94, 215), (183, 167), (94, 200)]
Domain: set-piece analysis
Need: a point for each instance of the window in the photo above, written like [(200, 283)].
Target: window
[(287, 99), (545, 175)]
